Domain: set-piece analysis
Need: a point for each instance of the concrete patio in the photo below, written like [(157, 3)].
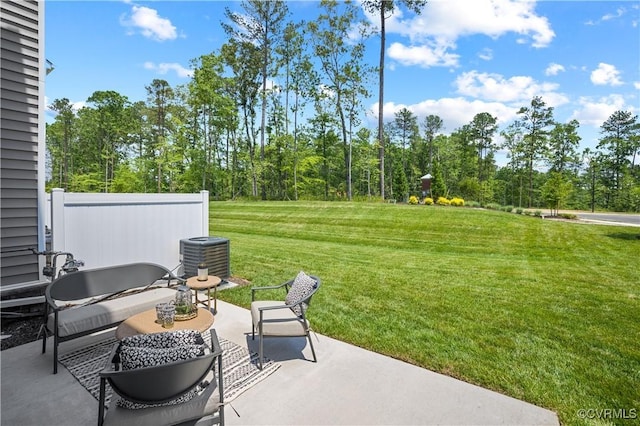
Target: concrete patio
[(348, 386)]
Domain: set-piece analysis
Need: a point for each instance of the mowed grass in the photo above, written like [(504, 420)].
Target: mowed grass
[(540, 310)]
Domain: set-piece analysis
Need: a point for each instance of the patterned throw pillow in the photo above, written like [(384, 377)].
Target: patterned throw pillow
[(300, 289), (130, 405), (167, 339), (133, 357), (147, 350)]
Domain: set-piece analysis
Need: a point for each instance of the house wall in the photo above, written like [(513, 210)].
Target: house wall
[(21, 141)]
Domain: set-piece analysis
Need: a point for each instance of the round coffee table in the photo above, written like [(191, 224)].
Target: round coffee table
[(145, 323), (197, 285)]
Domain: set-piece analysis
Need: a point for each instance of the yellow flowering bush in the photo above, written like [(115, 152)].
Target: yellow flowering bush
[(443, 201), (456, 201), (413, 200), (428, 201)]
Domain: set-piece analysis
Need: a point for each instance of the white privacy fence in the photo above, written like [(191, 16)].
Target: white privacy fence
[(110, 229)]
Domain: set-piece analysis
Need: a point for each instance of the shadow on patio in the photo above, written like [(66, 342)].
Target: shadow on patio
[(348, 385)]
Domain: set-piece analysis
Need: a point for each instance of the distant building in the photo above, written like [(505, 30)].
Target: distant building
[(426, 185)]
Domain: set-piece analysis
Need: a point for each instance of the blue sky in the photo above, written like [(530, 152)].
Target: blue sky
[(456, 59)]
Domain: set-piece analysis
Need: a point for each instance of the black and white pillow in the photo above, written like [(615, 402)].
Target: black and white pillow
[(302, 286), (167, 339), (148, 350), (132, 357), (130, 405)]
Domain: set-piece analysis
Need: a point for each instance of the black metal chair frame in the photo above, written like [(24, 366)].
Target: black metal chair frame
[(109, 281), (307, 329), (163, 383)]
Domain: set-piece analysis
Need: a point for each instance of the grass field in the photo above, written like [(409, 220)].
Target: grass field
[(540, 310)]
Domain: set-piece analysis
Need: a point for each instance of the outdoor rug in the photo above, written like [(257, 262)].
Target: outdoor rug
[(239, 367)]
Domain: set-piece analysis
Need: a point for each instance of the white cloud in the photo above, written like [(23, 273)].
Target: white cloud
[(149, 24), (594, 112), (75, 106), (606, 75), (554, 69), (486, 54), (424, 56), (516, 89), (164, 68), (636, 84), (434, 32), (454, 112), (619, 13), (451, 20)]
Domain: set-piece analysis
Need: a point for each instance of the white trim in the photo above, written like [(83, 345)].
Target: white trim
[(205, 212), (42, 138), (57, 219), (12, 303)]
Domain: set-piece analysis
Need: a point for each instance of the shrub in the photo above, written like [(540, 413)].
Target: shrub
[(568, 216), (508, 209), (443, 201), (413, 200), (527, 213), (519, 210), (492, 206), (428, 201), (537, 213), (473, 204), (456, 201)]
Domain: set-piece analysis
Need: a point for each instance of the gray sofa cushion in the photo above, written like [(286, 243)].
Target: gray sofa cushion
[(99, 315)]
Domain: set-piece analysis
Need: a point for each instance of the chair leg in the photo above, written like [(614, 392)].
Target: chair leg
[(43, 330), (101, 401), (55, 352), (311, 344), (261, 345)]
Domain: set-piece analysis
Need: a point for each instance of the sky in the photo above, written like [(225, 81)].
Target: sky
[(455, 59)]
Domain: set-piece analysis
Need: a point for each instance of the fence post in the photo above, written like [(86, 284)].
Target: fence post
[(205, 213), (57, 220)]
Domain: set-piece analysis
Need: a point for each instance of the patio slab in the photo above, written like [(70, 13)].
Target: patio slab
[(348, 385)]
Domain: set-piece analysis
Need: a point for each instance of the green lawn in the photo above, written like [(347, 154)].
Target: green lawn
[(540, 310)]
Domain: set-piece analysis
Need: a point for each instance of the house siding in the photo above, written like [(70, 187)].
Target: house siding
[(21, 140)]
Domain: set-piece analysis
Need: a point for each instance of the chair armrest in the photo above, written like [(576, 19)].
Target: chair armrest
[(111, 367), (269, 287), (271, 308), (216, 349), (52, 306), (170, 276)]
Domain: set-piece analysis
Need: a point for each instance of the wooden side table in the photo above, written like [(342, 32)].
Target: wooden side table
[(145, 323), (212, 281)]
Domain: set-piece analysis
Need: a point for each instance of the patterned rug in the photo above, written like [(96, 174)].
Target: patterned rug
[(239, 367)]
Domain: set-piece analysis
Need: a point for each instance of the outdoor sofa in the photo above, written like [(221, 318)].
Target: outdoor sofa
[(83, 302)]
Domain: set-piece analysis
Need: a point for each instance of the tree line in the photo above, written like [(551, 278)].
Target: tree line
[(232, 132)]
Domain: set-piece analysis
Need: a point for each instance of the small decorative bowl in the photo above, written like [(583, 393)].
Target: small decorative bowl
[(184, 316)]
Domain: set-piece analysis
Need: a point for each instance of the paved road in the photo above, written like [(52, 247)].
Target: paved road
[(613, 218)]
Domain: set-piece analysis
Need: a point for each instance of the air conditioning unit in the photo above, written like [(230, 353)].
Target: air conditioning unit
[(212, 251)]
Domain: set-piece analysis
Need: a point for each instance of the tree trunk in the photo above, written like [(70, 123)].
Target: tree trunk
[(381, 100)]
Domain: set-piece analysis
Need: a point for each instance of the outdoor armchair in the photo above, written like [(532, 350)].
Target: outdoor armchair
[(278, 318), (163, 383)]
